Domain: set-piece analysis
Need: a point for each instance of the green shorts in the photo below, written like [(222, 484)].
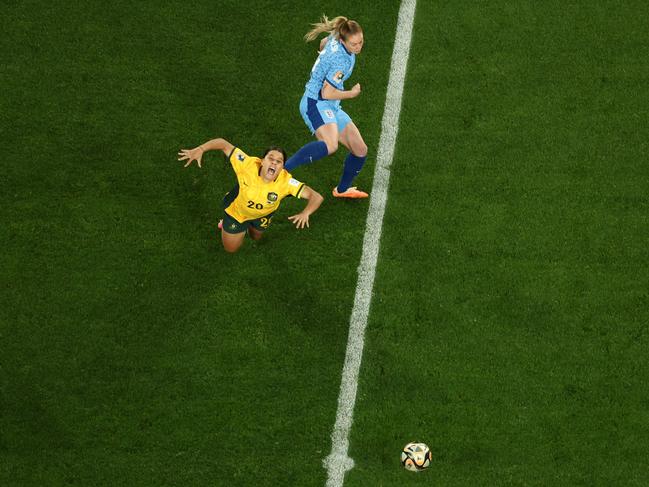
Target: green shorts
[(230, 225)]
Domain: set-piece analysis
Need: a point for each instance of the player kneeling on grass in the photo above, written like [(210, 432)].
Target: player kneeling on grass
[(261, 186)]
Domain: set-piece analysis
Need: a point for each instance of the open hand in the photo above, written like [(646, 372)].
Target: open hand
[(300, 220), (191, 155)]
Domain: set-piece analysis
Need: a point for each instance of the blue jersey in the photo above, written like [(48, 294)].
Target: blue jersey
[(334, 64)]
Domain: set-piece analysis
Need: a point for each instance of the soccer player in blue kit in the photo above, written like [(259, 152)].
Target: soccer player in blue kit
[(320, 105)]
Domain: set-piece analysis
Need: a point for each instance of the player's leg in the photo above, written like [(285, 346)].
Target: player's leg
[(351, 138), (328, 134), (232, 232), (255, 234), (317, 116), (259, 226), (232, 241)]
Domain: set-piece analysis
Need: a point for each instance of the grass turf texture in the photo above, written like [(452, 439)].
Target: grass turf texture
[(135, 351), (513, 336)]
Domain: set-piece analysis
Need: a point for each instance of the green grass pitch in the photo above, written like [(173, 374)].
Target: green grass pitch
[(508, 327)]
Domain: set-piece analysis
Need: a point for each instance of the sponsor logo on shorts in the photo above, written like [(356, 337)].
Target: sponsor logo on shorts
[(329, 113)]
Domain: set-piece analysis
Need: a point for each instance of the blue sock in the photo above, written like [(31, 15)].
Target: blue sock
[(353, 165), (308, 153)]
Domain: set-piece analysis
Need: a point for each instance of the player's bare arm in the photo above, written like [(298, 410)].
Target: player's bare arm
[(331, 93), (196, 154), (315, 199)]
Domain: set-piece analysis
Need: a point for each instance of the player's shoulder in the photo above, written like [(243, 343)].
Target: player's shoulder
[(238, 155), (335, 48), (340, 57), (284, 176), (287, 179)]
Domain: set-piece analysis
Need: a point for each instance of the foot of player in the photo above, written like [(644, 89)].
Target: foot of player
[(351, 192)]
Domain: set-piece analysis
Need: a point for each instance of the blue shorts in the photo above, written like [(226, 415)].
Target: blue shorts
[(316, 113)]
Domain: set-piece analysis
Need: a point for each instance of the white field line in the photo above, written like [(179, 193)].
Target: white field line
[(338, 462)]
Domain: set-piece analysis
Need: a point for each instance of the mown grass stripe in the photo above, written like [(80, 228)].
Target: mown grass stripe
[(338, 461)]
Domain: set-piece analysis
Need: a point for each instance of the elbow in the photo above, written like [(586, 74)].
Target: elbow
[(315, 199), (328, 92)]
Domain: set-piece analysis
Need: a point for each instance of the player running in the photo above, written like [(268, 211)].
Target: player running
[(320, 105), (262, 184)]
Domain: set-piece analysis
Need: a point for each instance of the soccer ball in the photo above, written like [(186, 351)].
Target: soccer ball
[(416, 457)]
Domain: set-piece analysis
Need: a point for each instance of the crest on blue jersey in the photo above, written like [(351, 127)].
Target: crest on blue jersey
[(339, 76)]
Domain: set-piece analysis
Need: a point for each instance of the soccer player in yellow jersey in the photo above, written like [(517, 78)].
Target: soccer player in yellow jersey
[(262, 184)]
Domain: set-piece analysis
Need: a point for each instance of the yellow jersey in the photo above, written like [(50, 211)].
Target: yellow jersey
[(258, 198)]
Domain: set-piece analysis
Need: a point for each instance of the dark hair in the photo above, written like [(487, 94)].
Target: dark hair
[(276, 148)]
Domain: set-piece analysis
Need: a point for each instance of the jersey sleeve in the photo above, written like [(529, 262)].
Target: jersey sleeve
[(294, 187), (238, 159), (335, 72)]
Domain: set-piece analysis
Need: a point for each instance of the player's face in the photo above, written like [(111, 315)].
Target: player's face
[(354, 43), (272, 165)]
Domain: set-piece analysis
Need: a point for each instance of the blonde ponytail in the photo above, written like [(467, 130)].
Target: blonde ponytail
[(332, 26)]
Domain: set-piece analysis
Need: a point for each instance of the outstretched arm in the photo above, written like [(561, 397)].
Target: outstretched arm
[(196, 154), (315, 199)]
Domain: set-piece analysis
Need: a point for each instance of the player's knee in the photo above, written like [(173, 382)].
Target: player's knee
[(255, 235), (360, 149), (231, 246), (332, 146)]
